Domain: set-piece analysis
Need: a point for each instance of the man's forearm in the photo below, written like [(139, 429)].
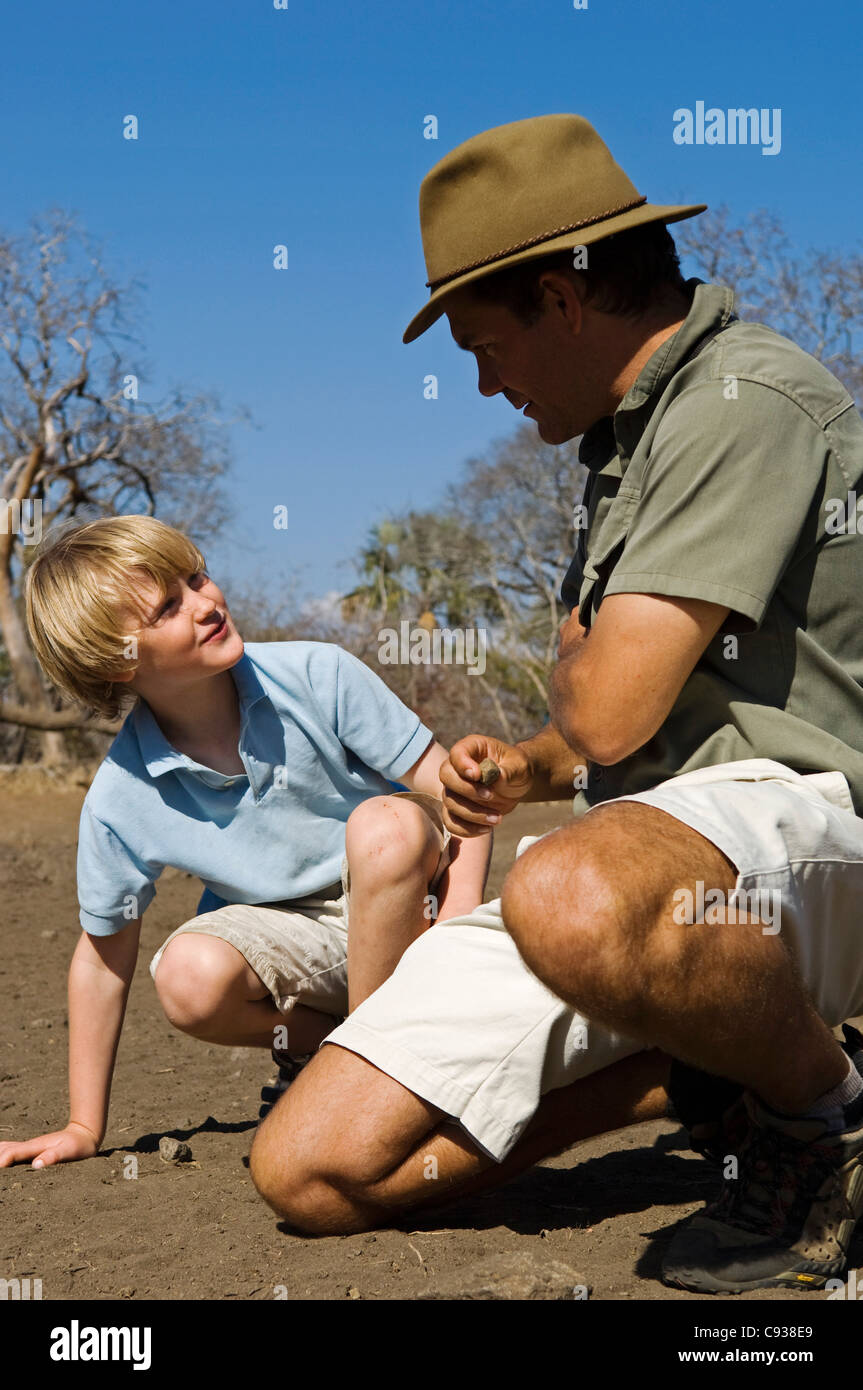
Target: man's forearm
[(554, 765)]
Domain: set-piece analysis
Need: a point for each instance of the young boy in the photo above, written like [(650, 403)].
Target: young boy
[(263, 771)]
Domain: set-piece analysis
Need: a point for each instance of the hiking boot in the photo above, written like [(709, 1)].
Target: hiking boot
[(788, 1217), (288, 1069), (711, 1108)]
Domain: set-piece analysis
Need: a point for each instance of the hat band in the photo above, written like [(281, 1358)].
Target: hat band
[(534, 241)]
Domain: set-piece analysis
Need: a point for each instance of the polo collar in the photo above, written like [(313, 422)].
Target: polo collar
[(160, 756), (712, 309)]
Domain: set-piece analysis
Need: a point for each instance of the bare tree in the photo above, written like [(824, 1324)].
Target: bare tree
[(492, 557), (520, 504), (76, 440), (812, 296)]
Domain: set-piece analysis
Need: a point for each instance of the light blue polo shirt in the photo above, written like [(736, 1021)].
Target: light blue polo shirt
[(320, 733)]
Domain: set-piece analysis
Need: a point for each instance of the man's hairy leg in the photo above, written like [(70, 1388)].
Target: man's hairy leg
[(591, 910), (348, 1148)]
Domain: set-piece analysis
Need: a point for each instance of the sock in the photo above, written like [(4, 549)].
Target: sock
[(837, 1106)]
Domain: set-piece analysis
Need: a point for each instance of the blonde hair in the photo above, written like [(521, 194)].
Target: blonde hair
[(78, 594)]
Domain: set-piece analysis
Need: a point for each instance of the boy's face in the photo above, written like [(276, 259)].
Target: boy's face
[(185, 636)]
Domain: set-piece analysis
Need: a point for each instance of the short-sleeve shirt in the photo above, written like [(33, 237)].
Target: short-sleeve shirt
[(320, 733), (731, 472)]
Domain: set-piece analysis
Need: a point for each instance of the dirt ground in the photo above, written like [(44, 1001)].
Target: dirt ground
[(198, 1231)]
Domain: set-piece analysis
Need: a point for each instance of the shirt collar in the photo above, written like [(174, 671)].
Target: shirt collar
[(711, 309), (160, 756)]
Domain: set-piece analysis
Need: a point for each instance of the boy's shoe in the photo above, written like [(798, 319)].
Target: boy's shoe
[(288, 1069), (788, 1217)]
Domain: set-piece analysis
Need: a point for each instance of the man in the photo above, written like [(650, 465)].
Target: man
[(715, 652)]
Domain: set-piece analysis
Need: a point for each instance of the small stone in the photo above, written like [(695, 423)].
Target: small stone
[(488, 771), (173, 1150), (126, 1292), (41, 1023), (353, 1292), (49, 934), (510, 1277)]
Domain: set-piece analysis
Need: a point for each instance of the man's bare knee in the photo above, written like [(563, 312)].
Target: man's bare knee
[(340, 1130), (301, 1196), (559, 903), (314, 1196), (599, 893)]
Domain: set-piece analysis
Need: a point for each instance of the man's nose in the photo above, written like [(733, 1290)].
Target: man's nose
[(488, 383)]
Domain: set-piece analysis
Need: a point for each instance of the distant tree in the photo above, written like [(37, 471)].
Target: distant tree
[(813, 295), (491, 557), (380, 564), (76, 441)]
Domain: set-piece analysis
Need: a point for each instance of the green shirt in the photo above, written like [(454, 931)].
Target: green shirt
[(730, 472)]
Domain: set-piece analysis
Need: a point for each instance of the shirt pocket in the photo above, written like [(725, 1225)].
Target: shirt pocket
[(604, 553)]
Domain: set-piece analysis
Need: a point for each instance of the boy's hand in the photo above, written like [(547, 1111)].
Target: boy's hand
[(62, 1146), (469, 808)]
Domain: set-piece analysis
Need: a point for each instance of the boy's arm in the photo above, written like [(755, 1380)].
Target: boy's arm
[(99, 979), (464, 882)]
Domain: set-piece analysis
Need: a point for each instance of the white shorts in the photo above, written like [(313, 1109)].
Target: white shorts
[(464, 1024), (299, 948)]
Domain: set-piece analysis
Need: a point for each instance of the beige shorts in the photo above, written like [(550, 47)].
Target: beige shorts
[(464, 1024), (298, 948)]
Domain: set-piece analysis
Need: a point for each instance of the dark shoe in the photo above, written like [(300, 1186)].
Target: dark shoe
[(288, 1069), (788, 1217), (712, 1108), (853, 1045), (709, 1107)]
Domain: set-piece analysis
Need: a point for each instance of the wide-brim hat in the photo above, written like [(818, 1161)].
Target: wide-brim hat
[(520, 191)]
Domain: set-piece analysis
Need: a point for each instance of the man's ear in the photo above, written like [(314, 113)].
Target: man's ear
[(567, 295)]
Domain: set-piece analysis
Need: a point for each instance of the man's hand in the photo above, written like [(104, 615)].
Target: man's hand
[(469, 808), (63, 1146)]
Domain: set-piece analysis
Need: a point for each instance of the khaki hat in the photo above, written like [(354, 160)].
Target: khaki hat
[(520, 191)]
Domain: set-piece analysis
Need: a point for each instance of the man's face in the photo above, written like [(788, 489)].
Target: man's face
[(545, 370), (185, 636)]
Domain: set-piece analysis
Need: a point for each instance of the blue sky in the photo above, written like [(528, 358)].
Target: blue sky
[(304, 126)]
